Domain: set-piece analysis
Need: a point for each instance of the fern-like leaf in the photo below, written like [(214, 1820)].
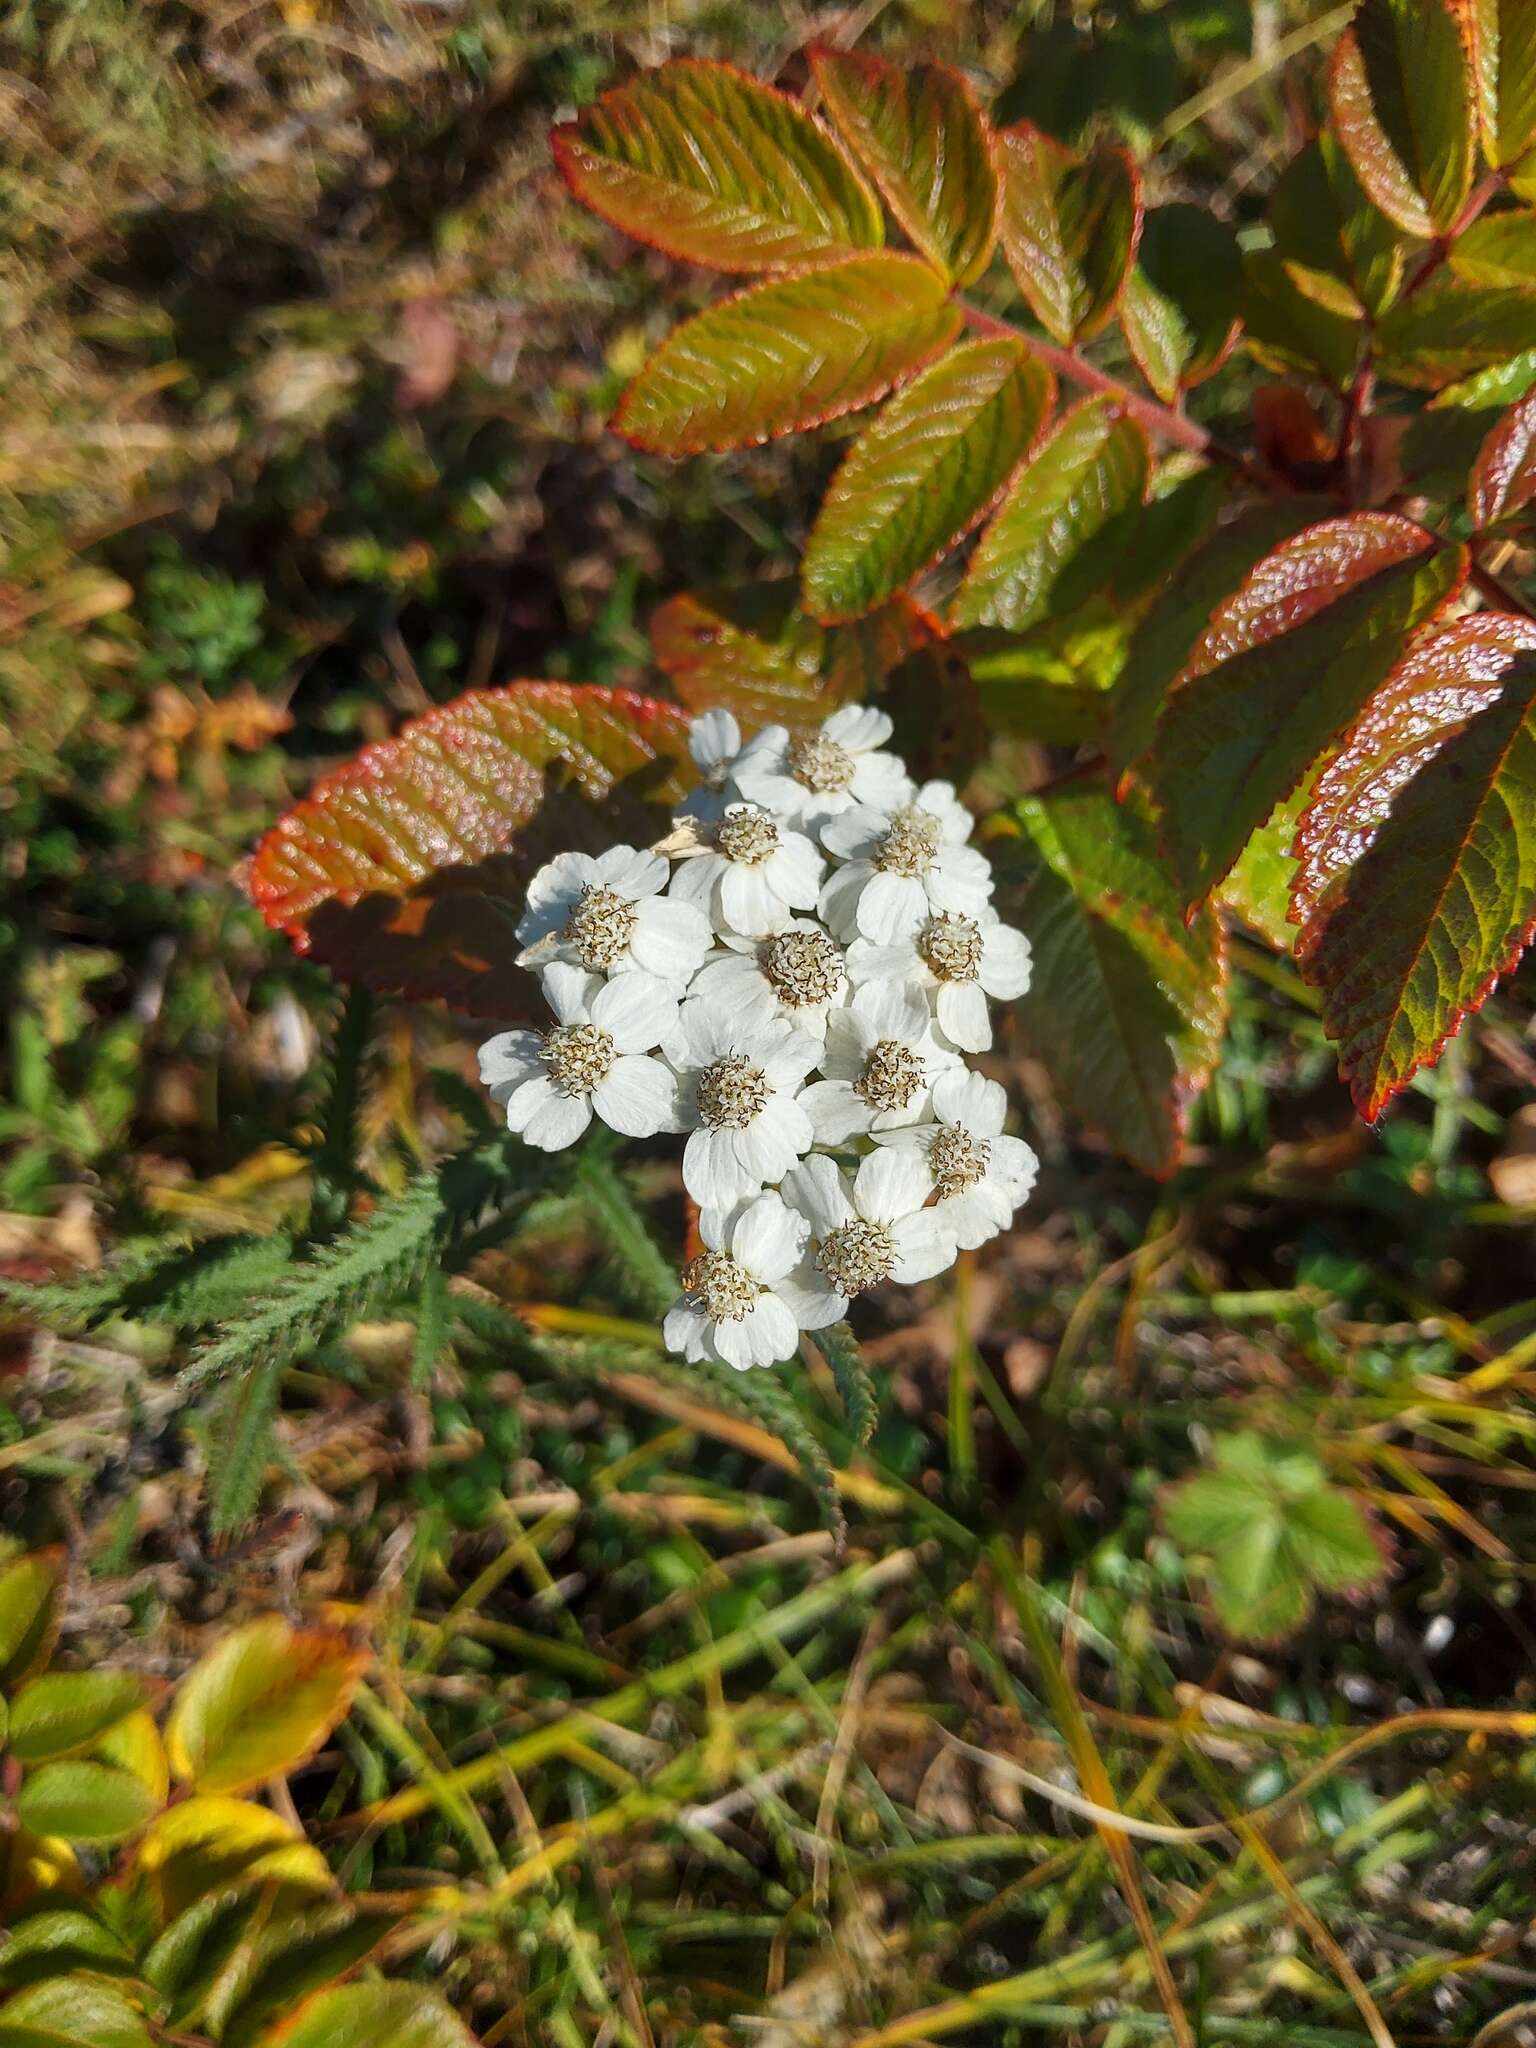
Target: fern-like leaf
[(240, 1445), (855, 1388), (649, 1278)]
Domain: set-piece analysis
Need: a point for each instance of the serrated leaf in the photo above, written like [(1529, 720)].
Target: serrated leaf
[(1499, 249), (1416, 888), (259, 1704), (1335, 247), (1258, 887), (67, 1710), (919, 133), (1284, 665), (72, 2012), (1504, 57), (929, 465), (1070, 225), (405, 868), (788, 354), (373, 2016), (1401, 91), (1171, 630), (1451, 329), (1502, 485), (1050, 542), (1268, 1532), (1179, 308), (750, 650), (1126, 1004), (709, 164), (29, 1613), (83, 1801), (1288, 329)]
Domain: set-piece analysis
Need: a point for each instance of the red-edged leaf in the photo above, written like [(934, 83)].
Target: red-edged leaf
[(1059, 532), (1451, 329), (1179, 309), (789, 354), (930, 464), (1499, 249), (1070, 227), (708, 164), (1504, 54), (1336, 248), (1401, 91), (751, 651), (1417, 875), (1284, 665), (1126, 1005), (919, 133), (1258, 886), (404, 869), (1503, 480)]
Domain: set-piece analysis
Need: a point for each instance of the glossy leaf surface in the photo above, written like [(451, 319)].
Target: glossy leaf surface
[(1070, 226), (1401, 92)]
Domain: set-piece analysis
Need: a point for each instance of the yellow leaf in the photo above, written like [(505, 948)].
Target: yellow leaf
[(260, 1703)]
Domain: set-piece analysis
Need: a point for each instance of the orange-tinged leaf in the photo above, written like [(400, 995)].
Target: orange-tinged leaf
[(1402, 95), (404, 868), (1049, 544), (788, 354), (1503, 480), (1416, 879), (371, 2016), (709, 164), (1284, 665), (931, 463), (259, 1704), (1070, 226), (1126, 1005), (921, 136)]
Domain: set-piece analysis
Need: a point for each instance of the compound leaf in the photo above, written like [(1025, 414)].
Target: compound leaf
[(1127, 1003), (923, 472), (1401, 91), (1284, 665), (788, 354), (1050, 542), (919, 133), (1416, 886), (1070, 225), (702, 161)]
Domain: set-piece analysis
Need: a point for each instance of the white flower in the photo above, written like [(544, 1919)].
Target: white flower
[(902, 865), (594, 1059), (961, 960), (875, 1230), (714, 741), (608, 916), (797, 974), (881, 1062), (755, 876), (979, 1176), (732, 1308), (805, 780), (737, 1100)]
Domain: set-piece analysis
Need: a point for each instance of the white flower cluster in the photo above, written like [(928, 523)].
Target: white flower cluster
[(793, 978)]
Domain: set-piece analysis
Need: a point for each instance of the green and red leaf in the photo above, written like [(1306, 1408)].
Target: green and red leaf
[(1127, 1004), (789, 354), (1499, 249), (1403, 101), (1504, 56), (921, 136), (1416, 878), (1502, 486), (1451, 329), (1070, 227), (1336, 248), (709, 164), (1179, 308), (926, 469), (1283, 667), (1061, 529), (404, 868)]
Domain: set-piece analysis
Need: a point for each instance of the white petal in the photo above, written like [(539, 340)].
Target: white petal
[(963, 1015), (925, 1244), (693, 881), (838, 903), (1014, 1166), (819, 1192), (771, 1330), (961, 1097), (747, 902), (527, 1098), (891, 1009), (768, 1237), (558, 1121), (670, 939), (854, 834), (712, 1173), (790, 1058), (959, 879), (835, 1111), (869, 962), (775, 1139), (891, 907), (977, 1215), (636, 1010), (560, 881), (637, 1096), (632, 872), (569, 991), (684, 1332), (1005, 962), (938, 799), (858, 728), (809, 1299), (891, 1183), (794, 872), (509, 1058), (881, 782), (714, 738)]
